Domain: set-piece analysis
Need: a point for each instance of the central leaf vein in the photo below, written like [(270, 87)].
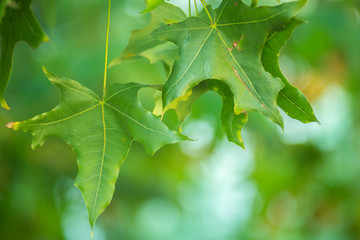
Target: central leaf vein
[(252, 90), (192, 61)]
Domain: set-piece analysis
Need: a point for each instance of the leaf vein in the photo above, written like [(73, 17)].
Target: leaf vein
[(249, 81), (137, 122), (190, 64), (254, 21), (64, 119)]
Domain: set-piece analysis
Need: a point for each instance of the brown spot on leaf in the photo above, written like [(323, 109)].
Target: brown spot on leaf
[(236, 44)]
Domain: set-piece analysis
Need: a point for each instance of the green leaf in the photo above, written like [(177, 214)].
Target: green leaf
[(227, 45), (151, 5), (100, 132), (18, 24), (3, 4), (254, 3), (232, 123), (290, 99), (142, 45)]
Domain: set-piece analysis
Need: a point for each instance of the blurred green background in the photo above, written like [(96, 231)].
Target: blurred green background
[(303, 183)]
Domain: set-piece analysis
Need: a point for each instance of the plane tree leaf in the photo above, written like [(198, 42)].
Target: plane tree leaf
[(142, 45), (227, 45), (290, 99), (18, 24), (100, 132)]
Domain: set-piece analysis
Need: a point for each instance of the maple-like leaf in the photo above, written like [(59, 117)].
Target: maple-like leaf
[(290, 99), (142, 45), (18, 24), (227, 45), (100, 132)]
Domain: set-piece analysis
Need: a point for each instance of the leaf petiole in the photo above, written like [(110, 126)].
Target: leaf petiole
[(106, 49), (196, 9), (203, 2), (189, 8)]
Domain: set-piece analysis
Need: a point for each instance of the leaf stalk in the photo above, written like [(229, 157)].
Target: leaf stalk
[(196, 9), (203, 2), (106, 49), (189, 8)]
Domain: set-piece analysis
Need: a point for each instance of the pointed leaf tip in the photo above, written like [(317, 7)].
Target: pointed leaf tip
[(4, 104), (45, 69), (48, 73)]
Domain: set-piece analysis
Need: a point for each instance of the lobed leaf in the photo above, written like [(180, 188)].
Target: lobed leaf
[(100, 132), (18, 24), (227, 46), (290, 99)]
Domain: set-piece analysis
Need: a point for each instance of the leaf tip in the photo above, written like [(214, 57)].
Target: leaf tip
[(281, 125), (243, 146), (47, 72), (4, 104), (316, 120), (45, 38)]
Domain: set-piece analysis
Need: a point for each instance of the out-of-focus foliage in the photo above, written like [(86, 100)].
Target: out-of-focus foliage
[(152, 4), (301, 184), (141, 45), (17, 23)]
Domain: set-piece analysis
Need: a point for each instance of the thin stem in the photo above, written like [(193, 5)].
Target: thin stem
[(106, 49), (196, 9), (207, 12), (189, 8)]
